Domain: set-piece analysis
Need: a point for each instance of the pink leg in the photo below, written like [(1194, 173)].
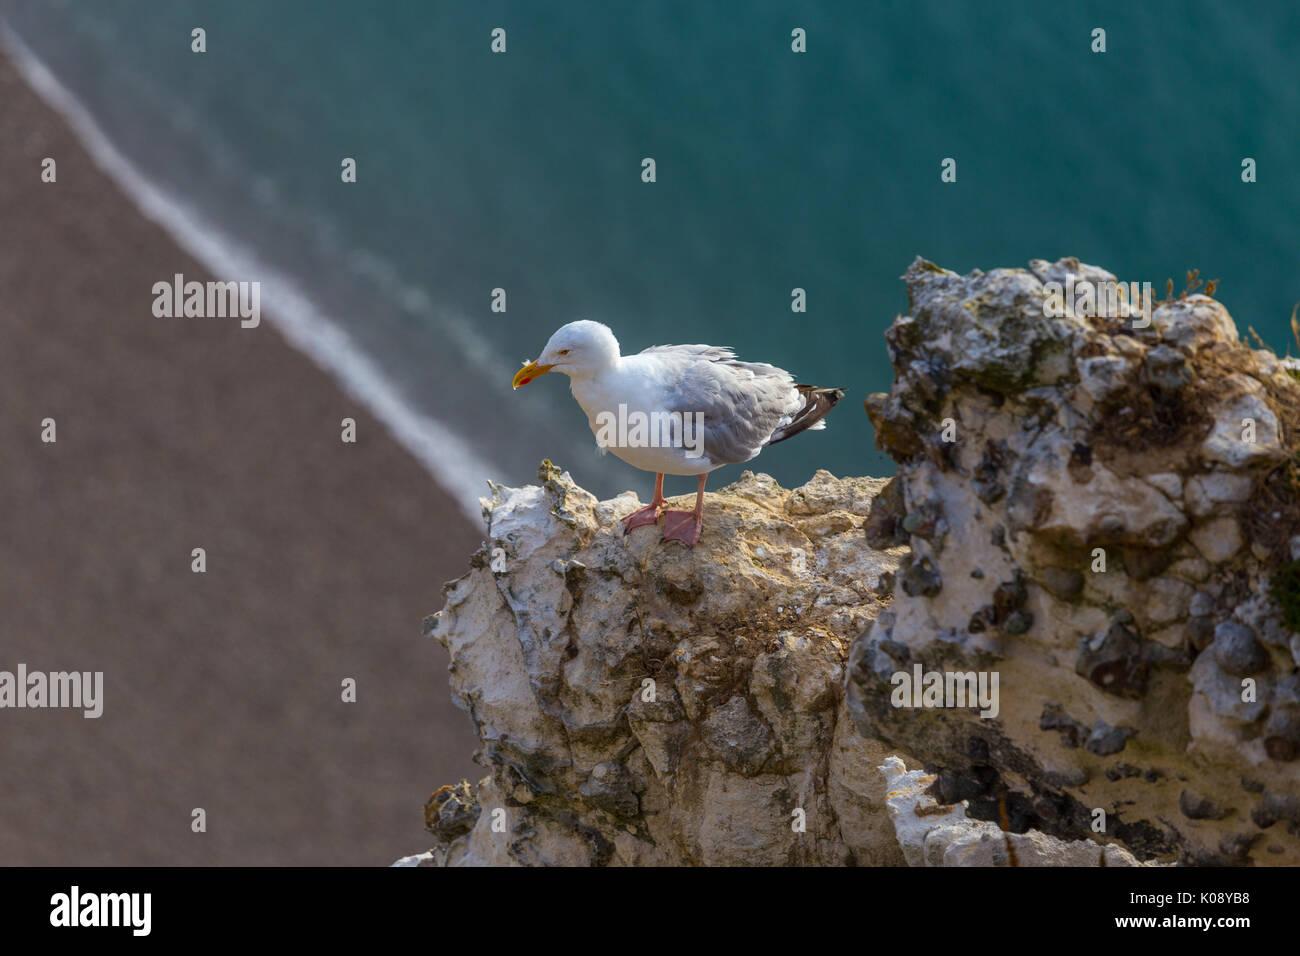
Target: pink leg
[(650, 513), (684, 526)]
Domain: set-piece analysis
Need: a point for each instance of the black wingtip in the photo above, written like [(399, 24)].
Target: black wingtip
[(817, 404)]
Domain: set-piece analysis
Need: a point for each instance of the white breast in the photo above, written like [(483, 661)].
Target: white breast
[(631, 384)]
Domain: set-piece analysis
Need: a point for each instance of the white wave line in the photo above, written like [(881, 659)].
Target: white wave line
[(457, 467)]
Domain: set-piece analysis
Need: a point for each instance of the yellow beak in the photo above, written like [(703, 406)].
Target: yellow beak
[(529, 372)]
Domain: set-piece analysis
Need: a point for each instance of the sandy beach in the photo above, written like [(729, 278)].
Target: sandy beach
[(222, 690)]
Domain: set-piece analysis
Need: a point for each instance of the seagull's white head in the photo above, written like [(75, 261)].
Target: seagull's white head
[(579, 350)]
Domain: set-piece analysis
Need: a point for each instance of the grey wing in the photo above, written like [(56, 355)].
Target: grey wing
[(741, 403)]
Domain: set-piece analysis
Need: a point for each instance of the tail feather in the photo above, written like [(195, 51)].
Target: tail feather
[(817, 404)]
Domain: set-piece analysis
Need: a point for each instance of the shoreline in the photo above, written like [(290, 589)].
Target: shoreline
[(221, 689), (448, 458)]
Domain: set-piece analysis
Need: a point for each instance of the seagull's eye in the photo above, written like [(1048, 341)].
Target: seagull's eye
[(564, 351)]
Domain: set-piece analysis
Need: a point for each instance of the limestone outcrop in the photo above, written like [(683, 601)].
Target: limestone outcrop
[(934, 834), (1103, 512), (640, 703)]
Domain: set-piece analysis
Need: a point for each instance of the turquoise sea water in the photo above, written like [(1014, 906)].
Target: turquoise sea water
[(775, 170)]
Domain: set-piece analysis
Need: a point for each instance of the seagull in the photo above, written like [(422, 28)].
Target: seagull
[(677, 410)]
